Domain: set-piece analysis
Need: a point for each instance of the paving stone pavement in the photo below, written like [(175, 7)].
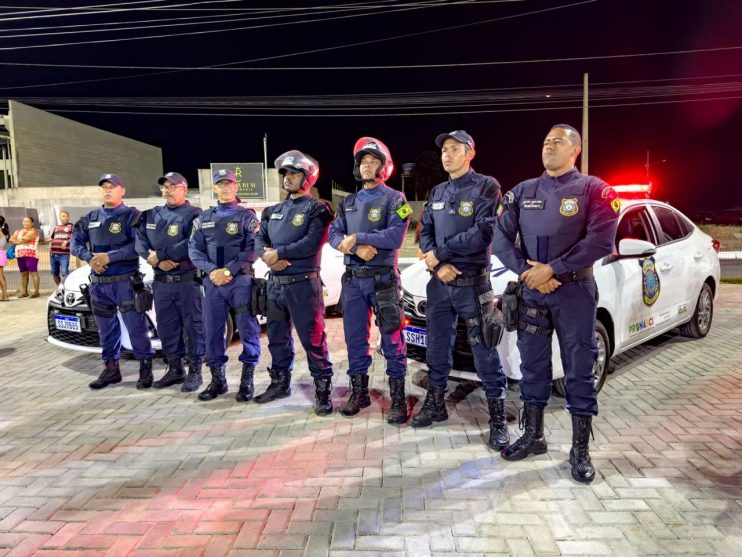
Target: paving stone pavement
[(156, 473)]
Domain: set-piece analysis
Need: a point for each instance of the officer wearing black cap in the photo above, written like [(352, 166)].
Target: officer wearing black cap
[(566, 222), (290, 242), (223, 247), (369, 229), (455, 238), (104, 238), (162, 239)]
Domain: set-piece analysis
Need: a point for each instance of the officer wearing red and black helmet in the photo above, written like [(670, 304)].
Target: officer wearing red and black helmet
[(290, 242), (369, 229)]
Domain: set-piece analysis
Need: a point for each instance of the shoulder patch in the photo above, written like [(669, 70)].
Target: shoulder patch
[(404, 211)]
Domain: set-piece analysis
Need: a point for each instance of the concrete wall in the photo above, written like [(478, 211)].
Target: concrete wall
[(52, 151)]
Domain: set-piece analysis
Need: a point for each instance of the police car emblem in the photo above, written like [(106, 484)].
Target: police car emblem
[(569, 207), (232, 228), (298, 219), (172, 230), (650, 281), (374, 215), (114, 227), (466, 208)]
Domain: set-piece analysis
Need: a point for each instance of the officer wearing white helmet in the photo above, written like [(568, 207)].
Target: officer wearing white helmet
[(290, 242)]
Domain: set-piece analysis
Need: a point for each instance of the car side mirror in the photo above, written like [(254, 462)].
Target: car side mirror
[(628, 247)]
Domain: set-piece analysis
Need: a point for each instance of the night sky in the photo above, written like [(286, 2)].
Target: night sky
[(695, 130)]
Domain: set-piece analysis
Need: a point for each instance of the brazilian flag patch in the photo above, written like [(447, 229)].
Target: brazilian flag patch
[(404, 211)]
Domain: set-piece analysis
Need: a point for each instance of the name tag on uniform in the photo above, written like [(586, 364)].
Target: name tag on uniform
[(533, 204), (94, 224), (276, 216), (208, 224), (151, 226), (438, 206)]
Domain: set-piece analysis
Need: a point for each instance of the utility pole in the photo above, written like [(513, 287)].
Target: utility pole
[(585, 128), (265, 164)]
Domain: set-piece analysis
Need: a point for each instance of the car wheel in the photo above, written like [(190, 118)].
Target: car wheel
[(600, 370), (700, 324), (229, 329)]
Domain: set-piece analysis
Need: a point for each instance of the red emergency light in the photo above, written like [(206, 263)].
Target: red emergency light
[(633, 191)]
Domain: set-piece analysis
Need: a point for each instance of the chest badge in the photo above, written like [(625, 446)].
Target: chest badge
[(650, 281), (232, 228), (466, 208), (298, 219), (569, 207), (374, 215), (172, 230), (114, 228)]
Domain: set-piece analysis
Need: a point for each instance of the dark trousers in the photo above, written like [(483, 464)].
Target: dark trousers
[(179, 313)]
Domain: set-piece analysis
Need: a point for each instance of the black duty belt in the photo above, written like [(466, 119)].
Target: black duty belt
[(585, 272), (291, 279), (98, 279), (366, 272), (473, 280), (183, 277)]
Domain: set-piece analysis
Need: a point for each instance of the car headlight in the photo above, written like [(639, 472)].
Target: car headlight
[(59, 294)]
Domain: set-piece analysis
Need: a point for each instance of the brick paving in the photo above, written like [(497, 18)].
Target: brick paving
[(155, 473)]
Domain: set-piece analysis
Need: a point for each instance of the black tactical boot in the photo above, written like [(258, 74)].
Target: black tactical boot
[(359, 398), (499, 436), (218, 385), (280, 387), (110, 375), (145, 374), (246, 387), (194, 380), (174, 374), (434, 408), (398, 409), (322, 401), (532, 441), (579, 456)]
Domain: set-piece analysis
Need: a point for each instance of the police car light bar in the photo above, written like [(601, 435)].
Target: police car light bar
[(634, 188)]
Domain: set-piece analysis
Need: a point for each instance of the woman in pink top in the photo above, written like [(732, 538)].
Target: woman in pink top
[(26, 241), (4, 236)]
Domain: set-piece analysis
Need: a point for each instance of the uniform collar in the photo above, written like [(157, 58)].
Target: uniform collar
[(114, 210), (229, 205), (462, 180), (562, 179), (186, 204)]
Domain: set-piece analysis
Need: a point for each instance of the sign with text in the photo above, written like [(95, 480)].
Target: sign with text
[(249, 177)]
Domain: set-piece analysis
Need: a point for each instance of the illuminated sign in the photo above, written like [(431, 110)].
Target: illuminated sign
[(249, 178)]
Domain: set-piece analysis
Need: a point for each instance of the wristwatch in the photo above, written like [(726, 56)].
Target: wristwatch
[(226, 272)]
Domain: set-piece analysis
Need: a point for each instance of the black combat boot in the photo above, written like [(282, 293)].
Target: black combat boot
[(174, 374), (434, 408), (280, 387), (499, 437), (359, 398), (218, 385), (322, 401), (145, 374), (246, 386), (532, 441), (579, 456), (193, 380), (109, 376), (398, 409)]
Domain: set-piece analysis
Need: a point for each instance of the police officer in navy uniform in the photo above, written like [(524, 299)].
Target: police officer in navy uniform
[(162, 239), (455, 239), (369, 229), (223, 247), (104, 238), (290, 242), (566, 222)]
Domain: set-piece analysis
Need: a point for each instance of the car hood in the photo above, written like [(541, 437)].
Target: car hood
[(415, 278)]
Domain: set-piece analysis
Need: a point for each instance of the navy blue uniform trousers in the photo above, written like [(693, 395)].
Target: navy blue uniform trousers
[(359, 297), (179, 311), (218, 300), (572, 307), (445, 305), (305, 306), (109, 329)]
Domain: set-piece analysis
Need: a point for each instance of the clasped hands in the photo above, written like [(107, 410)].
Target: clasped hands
[(165, 264), (446, 273), (364, 251), (540, 277)]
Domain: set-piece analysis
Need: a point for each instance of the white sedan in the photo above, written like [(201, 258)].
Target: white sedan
[(71, 323), (664, 274)]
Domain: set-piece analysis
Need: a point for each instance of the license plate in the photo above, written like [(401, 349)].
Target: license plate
[(418, 337), (67, 323)]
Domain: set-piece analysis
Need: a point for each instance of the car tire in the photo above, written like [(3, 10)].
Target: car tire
[(700, 324), (337, 309), (229, 329), (601, 365)]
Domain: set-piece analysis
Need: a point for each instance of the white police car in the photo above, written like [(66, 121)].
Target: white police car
[(664, 274), (71, 323)]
